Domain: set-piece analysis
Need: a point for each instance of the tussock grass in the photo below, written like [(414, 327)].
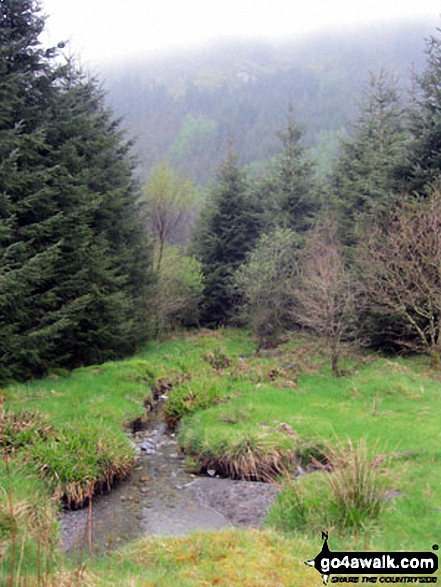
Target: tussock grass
[(251, 456), (357, 485), (347, 493), (194, 395), (71, 431), (81, 461)]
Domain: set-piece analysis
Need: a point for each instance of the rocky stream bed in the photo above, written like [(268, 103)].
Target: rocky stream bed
[(161, 498)]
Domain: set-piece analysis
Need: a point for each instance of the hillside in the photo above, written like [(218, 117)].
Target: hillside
[(187, 106)]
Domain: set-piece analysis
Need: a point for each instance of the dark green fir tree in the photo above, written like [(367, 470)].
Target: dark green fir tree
[(288, 193), (363, 182), (422, 169), (227, 230), (74, 264)]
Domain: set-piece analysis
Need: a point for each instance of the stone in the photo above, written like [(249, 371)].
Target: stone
[(211, 472), (146, 446)]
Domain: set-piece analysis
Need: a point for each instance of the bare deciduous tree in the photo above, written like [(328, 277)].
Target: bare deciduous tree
[(401, 261), (325, 293)]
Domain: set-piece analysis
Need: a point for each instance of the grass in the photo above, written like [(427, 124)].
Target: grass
[(226, 558), (246, 415), (70, 429)]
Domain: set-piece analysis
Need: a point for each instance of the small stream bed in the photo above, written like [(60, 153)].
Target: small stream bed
[(161, 498)]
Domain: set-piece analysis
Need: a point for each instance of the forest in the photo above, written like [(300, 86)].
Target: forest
[(186, 107), (272, 276)]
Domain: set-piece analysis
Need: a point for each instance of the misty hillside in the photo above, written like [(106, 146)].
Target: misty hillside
[(187, 106)]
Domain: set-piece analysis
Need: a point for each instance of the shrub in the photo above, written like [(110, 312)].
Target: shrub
[(179, 290), (265, 282)]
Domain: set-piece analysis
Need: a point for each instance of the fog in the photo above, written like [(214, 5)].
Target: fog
[(101, 30)]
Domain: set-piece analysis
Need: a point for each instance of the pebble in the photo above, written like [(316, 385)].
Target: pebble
[(211, 472), (144, 445)]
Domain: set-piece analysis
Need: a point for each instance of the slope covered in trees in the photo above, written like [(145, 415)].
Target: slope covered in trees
[(387, 174), (186, 106)]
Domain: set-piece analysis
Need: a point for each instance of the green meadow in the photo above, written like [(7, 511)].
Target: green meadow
[(357, 456)]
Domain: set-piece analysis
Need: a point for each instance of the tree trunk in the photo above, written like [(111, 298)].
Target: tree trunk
[(435, 357), (335, 368)]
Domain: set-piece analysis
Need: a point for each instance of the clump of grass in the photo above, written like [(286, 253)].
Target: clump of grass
[(299, 507), (192, 396), (28, 532), (82, 460), (248, 455), (357, 487), (346, 493), (24, 428), (217, 358)]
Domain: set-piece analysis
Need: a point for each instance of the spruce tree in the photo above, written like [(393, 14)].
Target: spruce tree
[(288, 194), (74, 265), (363, 182), (422, 169), (103, 281), (27, 254), (227, 230)]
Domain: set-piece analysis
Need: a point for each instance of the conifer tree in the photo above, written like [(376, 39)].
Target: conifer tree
[(227, 230), (26, 253), (74, 268), (288, 193), (422, 170), (364, 181), (105, 274)]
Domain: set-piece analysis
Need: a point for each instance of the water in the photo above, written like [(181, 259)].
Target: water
[(161, 498)]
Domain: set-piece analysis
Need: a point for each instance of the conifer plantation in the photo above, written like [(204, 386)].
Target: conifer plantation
[(74, 261)]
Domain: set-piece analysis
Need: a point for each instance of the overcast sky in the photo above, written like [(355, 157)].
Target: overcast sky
[(102, 30)]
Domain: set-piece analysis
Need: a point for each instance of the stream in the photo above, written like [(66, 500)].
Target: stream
[(161, 498)]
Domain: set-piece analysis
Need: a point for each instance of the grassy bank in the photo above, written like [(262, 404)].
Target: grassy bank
[(248, 415)]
